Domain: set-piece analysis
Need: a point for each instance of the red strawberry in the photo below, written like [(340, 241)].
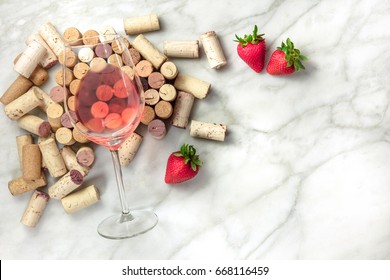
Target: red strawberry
[(285, 60), (182, 165), (251, 49)]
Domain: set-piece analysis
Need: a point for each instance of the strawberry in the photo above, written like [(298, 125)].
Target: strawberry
[(182, 165), (285, 60), (252, 49)]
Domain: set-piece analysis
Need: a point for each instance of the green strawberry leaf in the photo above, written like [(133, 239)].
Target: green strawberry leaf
[(198, 162), (193, 166), (253, 38), (299, 64), (293, 56), (188, 152), (302, 57)]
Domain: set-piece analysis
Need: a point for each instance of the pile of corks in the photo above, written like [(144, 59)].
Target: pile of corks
[(53, 146)]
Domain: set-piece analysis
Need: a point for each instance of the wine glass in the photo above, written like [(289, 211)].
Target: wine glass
[(108, 103)]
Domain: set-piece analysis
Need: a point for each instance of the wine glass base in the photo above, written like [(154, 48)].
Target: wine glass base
[(123, 226)]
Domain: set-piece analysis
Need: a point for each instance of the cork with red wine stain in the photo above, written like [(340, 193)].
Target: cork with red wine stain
[(35, 125), (35, 208), (66, 184), (157, 129)]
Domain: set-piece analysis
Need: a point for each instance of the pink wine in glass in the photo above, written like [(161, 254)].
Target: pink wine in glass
[(108, 105)]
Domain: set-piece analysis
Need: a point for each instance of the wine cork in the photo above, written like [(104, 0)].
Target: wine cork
[(64, 136), (97, 64), (135, 55), (129, 148), (157, 129), (57, 94), (16, 89), (69, 58), (40, 140), (22, 140), (79, 137), (81, 128), (118, 46), (198, 88), (71, 103), (54, 113), (66, 184), (113, 121), (39, 76), (35, 208), (141, 24), (91, 37), (211, 131), (35, 125), (68, 118), (103, 51), (156, 80), (213, 49), (49, 59), (152, 96), (115, 59), (182, 109), (74, 86), (46, 99), (104, 93), (163, 109), (169, 70), (86, 54), (148, 115), (99, 110), (81, 199), (126, 58), (23, 104), (69, 157), (167, 92), (85, 156), (60, 79), (52, 38), (126, 41), (73, 36), (30, 59), (107, 33), (149, 51), (31, 162), (70, 160), (19, 185), (80, 69), (144, 68), (52, 157), (182, 49), (129, 71)]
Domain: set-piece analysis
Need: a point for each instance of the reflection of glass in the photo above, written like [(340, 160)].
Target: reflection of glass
[(108, 104)]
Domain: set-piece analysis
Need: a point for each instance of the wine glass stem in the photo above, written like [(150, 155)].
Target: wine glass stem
[(119, 181)]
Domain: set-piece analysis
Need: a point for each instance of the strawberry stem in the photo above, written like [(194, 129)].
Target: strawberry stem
[(253, 38), (293, 56), (188, 152)]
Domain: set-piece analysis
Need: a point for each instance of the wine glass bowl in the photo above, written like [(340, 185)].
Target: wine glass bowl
[(109, 105), (108, 102)]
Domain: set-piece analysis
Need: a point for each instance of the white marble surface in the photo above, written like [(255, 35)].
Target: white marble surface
[(303, 173)]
